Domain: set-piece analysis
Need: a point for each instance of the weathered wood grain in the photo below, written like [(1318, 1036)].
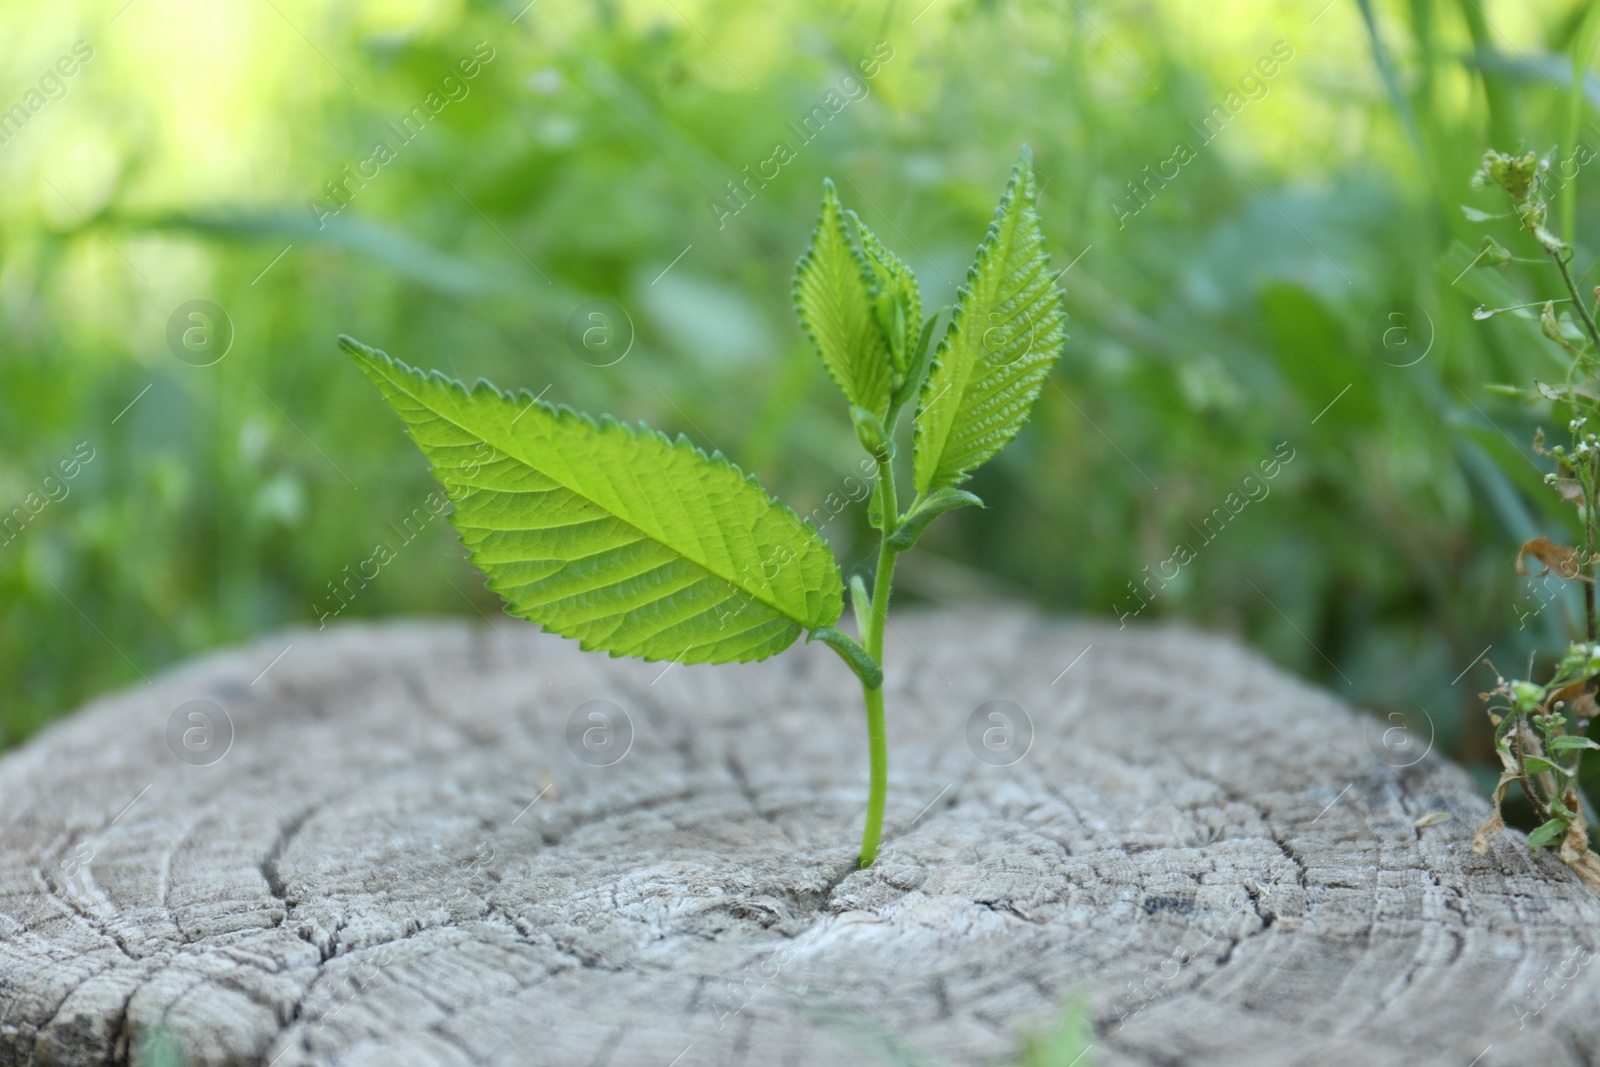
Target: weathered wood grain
[(401, 860)]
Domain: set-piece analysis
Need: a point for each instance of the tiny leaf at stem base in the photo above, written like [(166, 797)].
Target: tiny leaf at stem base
[(929, 509), (854, 655)]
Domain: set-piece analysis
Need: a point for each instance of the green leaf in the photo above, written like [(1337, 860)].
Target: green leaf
[(1548, 833), (629, 542), (860, 602), (1535, 765), (1006, 333), (865, 666), (919, 357), (896, 298), (1567, 744), (833, 295), (940, 502)]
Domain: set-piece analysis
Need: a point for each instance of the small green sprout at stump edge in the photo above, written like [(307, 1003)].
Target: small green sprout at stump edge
[(638, 545)]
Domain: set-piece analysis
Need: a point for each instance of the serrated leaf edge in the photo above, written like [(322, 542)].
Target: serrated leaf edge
[(868, 281), (1023, 167)]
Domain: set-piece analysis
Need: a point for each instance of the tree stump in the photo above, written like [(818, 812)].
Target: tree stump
[(429, 842)]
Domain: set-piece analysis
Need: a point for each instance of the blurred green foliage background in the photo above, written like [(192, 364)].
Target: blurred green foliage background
[(1229, 300)]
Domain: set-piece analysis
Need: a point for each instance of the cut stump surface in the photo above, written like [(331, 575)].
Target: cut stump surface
[(432, 842)]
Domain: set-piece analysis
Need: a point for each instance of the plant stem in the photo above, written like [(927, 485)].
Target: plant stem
[(1520, 732), (1588, 483), (878, 746), (872, 641), (1587, 567), (1583, 309), (1591, 486)]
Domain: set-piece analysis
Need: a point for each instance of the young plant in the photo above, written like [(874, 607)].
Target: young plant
[(1541, 729), (638, 545)]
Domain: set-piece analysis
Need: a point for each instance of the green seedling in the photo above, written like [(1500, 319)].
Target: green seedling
[(639, 545)]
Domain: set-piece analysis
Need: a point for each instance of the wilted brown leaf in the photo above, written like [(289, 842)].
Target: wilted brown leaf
[(1488, 832), (1492, 829), (1576, 843), (1583, 706), (1566, 694), (1560, 560), (1569, 488)]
